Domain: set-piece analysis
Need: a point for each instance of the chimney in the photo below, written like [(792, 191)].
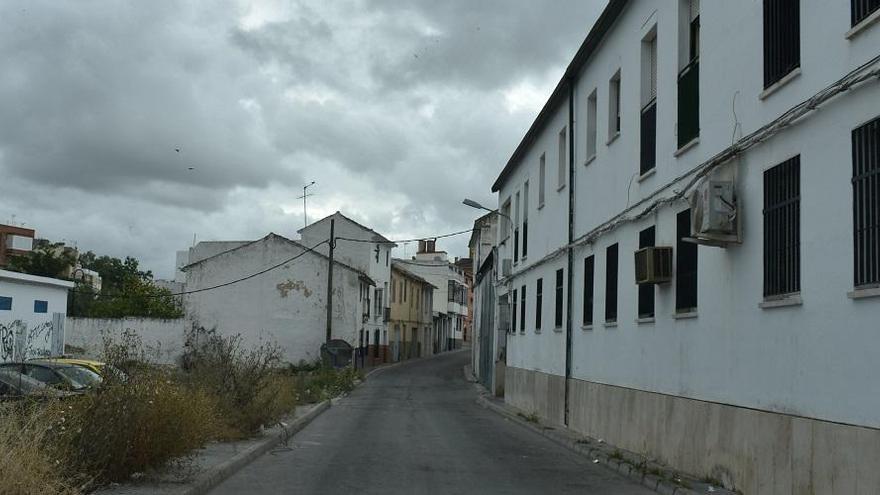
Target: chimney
[(426, 246)]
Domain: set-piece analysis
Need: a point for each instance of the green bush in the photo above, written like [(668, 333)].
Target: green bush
[(325, 383)]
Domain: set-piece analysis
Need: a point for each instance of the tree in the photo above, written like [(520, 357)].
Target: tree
[(46, 259)]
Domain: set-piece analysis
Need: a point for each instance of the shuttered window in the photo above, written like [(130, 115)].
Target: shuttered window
[(611, 283), (861, 9), (782, 39), (559, 290), (539, 302), (782, 232), (685, 266), (589, 275), (866, 203), (646, 291)]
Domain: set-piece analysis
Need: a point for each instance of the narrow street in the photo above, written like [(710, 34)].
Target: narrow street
[(414, 429)]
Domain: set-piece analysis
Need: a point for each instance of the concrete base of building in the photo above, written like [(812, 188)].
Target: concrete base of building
[(756, 452)]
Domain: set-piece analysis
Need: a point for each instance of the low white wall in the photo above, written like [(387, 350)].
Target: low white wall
[(163, 338)]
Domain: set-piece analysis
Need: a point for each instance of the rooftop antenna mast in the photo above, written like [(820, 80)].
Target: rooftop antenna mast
[(303, 197)]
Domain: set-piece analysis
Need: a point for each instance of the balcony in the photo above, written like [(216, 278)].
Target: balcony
[(689, 103)]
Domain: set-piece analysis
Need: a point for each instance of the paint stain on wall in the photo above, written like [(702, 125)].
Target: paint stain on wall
[(284, 288)]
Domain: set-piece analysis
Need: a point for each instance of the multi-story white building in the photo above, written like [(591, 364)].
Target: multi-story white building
[(450, 294), (364, 249), (752, 363)]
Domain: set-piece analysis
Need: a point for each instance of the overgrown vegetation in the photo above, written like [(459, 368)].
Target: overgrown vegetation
[(154, 415)]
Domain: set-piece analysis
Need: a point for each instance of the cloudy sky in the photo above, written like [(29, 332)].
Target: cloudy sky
[(397, 109)]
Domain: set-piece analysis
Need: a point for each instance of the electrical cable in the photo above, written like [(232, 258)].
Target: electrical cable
[(401, 241), (204, 289)]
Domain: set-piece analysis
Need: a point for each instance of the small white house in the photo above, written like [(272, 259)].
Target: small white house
[(32, 314)]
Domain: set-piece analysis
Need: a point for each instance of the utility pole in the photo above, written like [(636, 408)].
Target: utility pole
[(303, 197), (330, 280)]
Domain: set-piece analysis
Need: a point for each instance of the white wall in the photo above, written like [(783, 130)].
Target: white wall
[(162, 339), (811, 360), (34, 330), (287, 305)]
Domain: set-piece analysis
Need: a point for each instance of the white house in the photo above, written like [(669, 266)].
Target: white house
[(750, 360), (488, 349), (279, 296), (364, 249), (32, 314)]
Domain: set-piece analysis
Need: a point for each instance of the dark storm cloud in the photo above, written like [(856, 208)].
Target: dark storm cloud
[(398, 109)]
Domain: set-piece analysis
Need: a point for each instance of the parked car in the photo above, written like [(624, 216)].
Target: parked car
[(15, 385), (61, 376)]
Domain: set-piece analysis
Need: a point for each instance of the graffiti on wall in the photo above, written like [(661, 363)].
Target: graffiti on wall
[(18, 341)]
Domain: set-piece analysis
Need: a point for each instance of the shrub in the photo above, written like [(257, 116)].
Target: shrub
[(125, 428), (27, 466), (250, 392), (325, 383)]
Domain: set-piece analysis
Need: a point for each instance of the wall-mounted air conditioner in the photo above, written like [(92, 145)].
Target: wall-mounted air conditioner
[(715, 218), (653, 265)]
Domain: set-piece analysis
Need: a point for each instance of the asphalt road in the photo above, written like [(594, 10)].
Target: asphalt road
[(417, 429)]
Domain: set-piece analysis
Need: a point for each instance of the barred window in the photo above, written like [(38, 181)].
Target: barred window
[(685, 266), (782, 39), (522, 309), (589, 271), (862, 9), (646, 291), (611, 283), (866, 204), (559, 291), (539, 301), (782, 228)]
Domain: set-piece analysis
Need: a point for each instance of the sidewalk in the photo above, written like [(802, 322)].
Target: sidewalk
[(660, 478)]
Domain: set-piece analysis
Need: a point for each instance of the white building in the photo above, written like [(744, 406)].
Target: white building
[(450, 295), (488, 351), (32, 314), (368, 251), (279, 295), (753, 364)]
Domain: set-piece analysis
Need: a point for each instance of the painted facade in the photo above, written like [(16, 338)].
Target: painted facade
[(765, 389), (32, 314), (411, 321)]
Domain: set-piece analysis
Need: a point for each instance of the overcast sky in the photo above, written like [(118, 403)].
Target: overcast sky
[(397, 109)]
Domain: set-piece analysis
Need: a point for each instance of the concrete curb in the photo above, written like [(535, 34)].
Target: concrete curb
[(656, 477), (215, 475)]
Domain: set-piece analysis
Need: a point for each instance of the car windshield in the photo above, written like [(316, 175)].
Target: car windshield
[(80, 378)]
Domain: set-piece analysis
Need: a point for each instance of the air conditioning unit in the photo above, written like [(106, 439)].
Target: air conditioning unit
[(653, 265), (506, 267), (714, 211)]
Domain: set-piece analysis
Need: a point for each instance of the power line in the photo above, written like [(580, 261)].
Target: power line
[(204, 289), (401, 241)]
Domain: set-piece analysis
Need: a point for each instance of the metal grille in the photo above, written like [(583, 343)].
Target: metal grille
[(782, 232), (611, 283), (589, 273), (782, 36), (866, 203), (649, 137), (685, 266), (539, 301), (558, 317), (689, 103), (861, 9), (522, 309), (646, 291)]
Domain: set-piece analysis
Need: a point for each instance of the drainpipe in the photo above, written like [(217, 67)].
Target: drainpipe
[(569, 250)]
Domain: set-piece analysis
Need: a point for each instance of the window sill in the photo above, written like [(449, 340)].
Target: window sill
[(862, 25), (541, 206), (537, 331), (780, 83), (610, 324), (558, 329), (645, 321), (782, 302), (864, 293), (590, 160), (685, 315), (586, 327), (560, 188), (690, 144), (647, 174), (612, 138)]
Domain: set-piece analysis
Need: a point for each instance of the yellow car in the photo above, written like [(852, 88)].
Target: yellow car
[(96, 366)]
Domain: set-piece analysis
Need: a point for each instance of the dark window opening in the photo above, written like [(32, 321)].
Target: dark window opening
[(646, 291), (525, 239), (611, 284), (862, 9), (782, 38), (41, 306), (782, 256), (515, 245), (5, 303), (685, 266), (866, 204), (648, 144), (513, 313), (559, 290), (589, 271), (522, 309), (539, 301)]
